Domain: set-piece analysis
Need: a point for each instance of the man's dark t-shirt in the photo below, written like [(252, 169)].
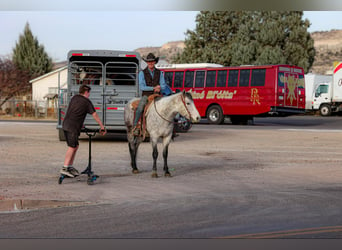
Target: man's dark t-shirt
[(79, 107)]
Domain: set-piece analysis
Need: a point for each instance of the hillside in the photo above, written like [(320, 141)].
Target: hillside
[(328, 46)]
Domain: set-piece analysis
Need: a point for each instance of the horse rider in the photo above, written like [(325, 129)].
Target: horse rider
[(151, 81)]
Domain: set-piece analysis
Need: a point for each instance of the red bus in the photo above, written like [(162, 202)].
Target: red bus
[(240, 93)]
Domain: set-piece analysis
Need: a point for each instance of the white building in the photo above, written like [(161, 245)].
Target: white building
[(46, 86)]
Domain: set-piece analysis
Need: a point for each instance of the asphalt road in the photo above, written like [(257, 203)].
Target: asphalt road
[(279, 178)]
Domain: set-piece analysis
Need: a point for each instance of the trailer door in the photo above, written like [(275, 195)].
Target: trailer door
[(120, 86), (89, 72)]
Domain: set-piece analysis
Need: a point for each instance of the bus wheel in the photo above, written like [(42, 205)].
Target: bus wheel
[(215, 115), (61, 135), (325, 110)]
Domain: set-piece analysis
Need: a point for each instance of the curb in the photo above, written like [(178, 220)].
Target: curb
[(19, 205)]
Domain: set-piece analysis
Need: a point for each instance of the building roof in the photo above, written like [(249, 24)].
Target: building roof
[(48, 74)]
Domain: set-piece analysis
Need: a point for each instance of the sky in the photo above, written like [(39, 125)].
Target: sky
[(60, 30)]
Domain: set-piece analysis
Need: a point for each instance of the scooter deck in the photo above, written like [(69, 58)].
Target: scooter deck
[(90, 181)]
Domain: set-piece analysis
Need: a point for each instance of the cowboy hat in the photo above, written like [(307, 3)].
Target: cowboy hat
[(151, 58)]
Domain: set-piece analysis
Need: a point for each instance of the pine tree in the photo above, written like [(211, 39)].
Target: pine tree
[(236, 38), (29, 55)]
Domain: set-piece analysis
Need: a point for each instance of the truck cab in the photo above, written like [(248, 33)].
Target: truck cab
[(322, 98)]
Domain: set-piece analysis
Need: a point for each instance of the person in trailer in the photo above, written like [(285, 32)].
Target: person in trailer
[(78, 108), (151, 81)]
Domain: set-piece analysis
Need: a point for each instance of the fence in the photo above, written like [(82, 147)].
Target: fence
[(29, 109)]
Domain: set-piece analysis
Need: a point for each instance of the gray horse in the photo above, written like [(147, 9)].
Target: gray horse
[(159, 124)]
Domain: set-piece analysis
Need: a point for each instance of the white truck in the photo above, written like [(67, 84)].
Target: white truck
[(327, 94)]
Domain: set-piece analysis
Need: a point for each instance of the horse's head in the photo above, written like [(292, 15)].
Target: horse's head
[(190, 111)]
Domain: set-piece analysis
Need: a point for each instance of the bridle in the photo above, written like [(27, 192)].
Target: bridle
[(183, 101)]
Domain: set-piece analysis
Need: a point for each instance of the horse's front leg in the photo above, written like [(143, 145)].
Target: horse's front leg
[(155, 157), (166, 142)]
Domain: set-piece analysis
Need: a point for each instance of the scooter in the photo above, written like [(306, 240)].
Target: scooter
[(88, 171)]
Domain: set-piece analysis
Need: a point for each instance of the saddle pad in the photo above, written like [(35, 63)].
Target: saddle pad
[(150, 99)]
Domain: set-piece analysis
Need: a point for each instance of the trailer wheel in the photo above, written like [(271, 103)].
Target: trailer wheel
[(215, 115), (61, 135), (325, 110)]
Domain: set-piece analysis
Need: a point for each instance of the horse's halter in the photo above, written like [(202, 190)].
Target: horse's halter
[(183, 101)]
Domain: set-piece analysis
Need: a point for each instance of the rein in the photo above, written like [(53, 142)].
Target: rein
[(183, 101)]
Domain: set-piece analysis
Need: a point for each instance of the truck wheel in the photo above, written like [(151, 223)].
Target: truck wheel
[(61, 135), (325, 110), (215, 115)]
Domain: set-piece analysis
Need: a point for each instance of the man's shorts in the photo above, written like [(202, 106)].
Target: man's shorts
[(71, 139)]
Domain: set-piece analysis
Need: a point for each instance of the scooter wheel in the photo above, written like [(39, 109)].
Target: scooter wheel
[(60, 179), (90, 180)]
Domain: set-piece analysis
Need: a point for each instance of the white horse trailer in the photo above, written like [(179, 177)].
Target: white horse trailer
[(113, 78)]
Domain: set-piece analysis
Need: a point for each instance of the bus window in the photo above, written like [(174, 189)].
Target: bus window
[(189, 79), (178, 82), (281, 80), (221, 78), (301, 82), (211, 77), (258, 77), (168, 78), (244, 77), (233, 78), (199, 79)]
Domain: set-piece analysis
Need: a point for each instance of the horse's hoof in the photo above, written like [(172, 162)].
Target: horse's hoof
[(168, 175), (135, 171), (154, 175)]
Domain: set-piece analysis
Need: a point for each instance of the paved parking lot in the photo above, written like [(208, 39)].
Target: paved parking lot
[(245, 179)]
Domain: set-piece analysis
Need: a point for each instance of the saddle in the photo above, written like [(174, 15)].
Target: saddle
[(141, 125)]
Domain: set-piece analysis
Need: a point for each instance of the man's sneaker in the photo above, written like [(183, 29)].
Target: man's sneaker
[(69, 171), (73, 171), (66, 172)]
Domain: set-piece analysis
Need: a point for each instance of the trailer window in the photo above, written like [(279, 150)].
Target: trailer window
[(211, 77), (178, 82), (233, 78), (258, 77), (120, 73), (199, 79)]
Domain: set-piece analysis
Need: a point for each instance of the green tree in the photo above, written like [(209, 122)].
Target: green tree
[(236, 38), (30, 56)]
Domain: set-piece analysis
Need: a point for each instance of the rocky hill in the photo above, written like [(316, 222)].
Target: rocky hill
[(328, 46), (166, 52)]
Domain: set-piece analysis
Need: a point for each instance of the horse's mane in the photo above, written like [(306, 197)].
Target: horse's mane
[(187, 94)]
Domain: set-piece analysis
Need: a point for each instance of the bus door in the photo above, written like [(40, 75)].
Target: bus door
[(291, 90), (120, 86)]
